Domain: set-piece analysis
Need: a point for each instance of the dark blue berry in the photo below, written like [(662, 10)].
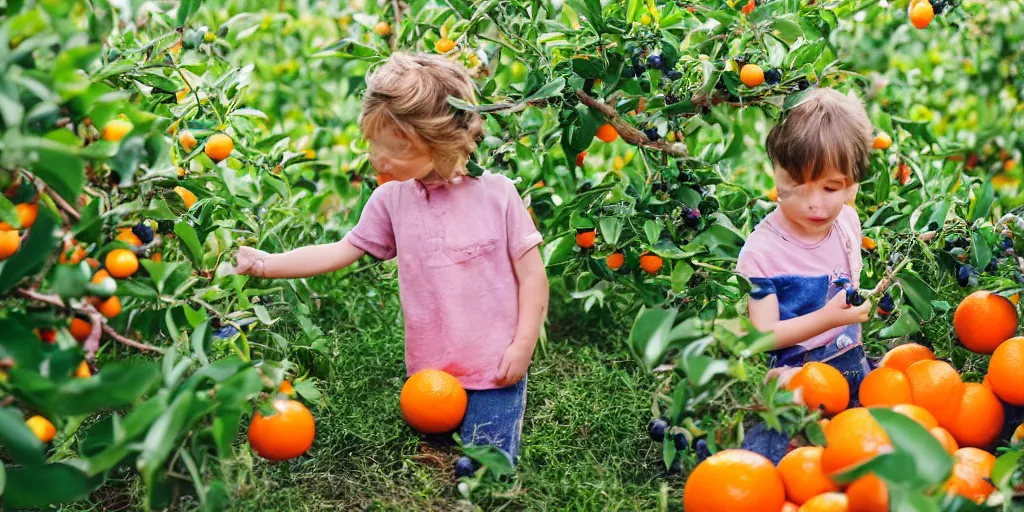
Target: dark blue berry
[(702, 450), (225, 332), (938, 6), (143, 231), (963, 275), (654, 61), (693, 218), (680, 441), (853, 297), (673, 74), (1007, 243), (772, 76), (993, 265), (657, 429), (886, 304), (463, 467), (652, 134), (841, 282)]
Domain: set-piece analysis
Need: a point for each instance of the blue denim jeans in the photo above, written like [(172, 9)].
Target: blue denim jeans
[(852, 363), (495, 417)]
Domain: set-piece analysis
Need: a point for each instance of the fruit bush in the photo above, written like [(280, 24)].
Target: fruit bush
[(153, 143)]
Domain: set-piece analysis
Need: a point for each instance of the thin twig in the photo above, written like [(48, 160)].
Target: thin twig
[(627, 131), (63, 204), (91, 344), (116, 336), (397, 8)]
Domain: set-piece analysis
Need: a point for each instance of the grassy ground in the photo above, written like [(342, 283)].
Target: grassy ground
[(584, 440)]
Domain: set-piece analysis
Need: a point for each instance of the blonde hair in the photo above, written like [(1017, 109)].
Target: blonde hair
[(410, 93), (828, 130)]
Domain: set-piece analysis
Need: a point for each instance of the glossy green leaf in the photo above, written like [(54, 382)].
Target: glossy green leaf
[(188, 237), (49, 484), (18, 440)]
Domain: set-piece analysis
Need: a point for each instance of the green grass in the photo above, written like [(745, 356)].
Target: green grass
[(584, 437)]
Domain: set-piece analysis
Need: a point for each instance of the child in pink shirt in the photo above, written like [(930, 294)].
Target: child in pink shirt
[(472, 283), (804, 258)]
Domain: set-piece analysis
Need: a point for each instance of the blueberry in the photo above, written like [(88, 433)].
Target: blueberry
[(886, 304), (1007, 243), (671, 99), (225, 332), (841, 282), (680, 441), (702, 450), (673, 74), (657, 429), (853, 297), (654, 62), (802, 84), (652, 134), (693, 218), (463, 467), (143, 231), (993, 265), (963, 275), (772, 76), (938, 6)]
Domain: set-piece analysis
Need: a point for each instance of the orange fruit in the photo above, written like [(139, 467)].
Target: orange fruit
[(157, 257), (824, 387), (607, 133), (110, 307), (980, 418), (945, 439), (867, 243), (773, 194), (884, 387), (853, 437), (585, 239), (615, 260), (828, 502), (219, 146), (868, 494), (100, 275), (918, 414), (42, 428), (802, 475), (651, 263), (903, 173), (83, 371), (1004, 371), (751, 75), (433, 402), (749, 7), (121, 263), (286, 388), (901, 357), (983, 320), (27, 214), (1009, 165), (187, 140), (937, 388), (882, 141), (734, 480), (790, 507), (182, 95), (115, 130), (80, 329), (284, 435), (72, 254), (382, 29), (921, 14), (93, 263), (187, 196), (128, 237), (10, 242), (444, 45), (970, 469)]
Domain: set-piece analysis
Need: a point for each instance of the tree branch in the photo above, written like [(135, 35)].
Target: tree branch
[(627, 131), (116, 336)]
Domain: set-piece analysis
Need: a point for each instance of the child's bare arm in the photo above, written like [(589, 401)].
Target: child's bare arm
[(533, 305), (764, 314), (302, 262)]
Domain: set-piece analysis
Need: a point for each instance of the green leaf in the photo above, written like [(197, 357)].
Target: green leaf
[(983, 200), (905, 325), (200, 340), (650, 335), (610, 228), (549, 90), (918, 292), (90, 227), (58, 165), (681, 274), (225, 430), (120, 384), (32, 255), (18, 440), (3, 479), (653, 231), (982, 252), (307, 390), (50, 484), (187, 8), (587, 68), (816, 434), (69, 281), (701, 369), (188, 236), (932, 464)]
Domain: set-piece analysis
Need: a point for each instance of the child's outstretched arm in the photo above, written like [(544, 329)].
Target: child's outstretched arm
[(764, 314), (533, 305), (302, 262)]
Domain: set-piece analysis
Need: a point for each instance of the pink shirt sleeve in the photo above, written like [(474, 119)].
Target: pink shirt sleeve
[(375, 233), (522, 233)]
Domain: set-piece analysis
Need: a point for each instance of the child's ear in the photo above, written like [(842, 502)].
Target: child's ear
[(851, 192)]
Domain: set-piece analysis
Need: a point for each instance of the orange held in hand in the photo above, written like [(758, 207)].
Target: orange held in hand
[(734, 480), (901, 357), (219, 146), (823, 387), (607, 133), (83, 371), (970, 473), (885, 387), (433, 402), (121, 263), (284, 435), (802, 475), (853, 437), (1004, 371), (983, 320)]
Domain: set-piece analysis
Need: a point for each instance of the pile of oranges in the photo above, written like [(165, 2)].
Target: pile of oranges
[(966, 419)]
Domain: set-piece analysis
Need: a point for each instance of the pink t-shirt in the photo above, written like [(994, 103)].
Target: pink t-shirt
[(801, 274), (456, 245)]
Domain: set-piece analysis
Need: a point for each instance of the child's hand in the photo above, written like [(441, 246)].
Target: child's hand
[(840, 313), (784, 373), (250, 261), (514, 364)]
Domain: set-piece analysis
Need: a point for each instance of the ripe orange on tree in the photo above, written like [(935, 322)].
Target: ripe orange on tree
[(970, 470), (802, 475), (444, 45), (187, 140), (100, 276), (128, 237), (116, 129), (749, 7), (921, 14), (382, 29), (615, 260), (867, 243), (901, 357), (607, 133), (651, 263), (853, 437), (1004, 371), (10, 242), (751, 75), (121, 263), (110, 307), (285, 434), (918, 414), (579, 159), (286, 388), (980, 418), (72, 253), (828, 502), (219, 146), (882, 141), (884, 387), (734, 480), (83, 371), (27, 214), (433, 401), (80, 329), (823, 387), (937, 388), (903, 173), (983, 320), (42, 428), (945, 439), (586, 238), (186, 195), (868, 494)]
